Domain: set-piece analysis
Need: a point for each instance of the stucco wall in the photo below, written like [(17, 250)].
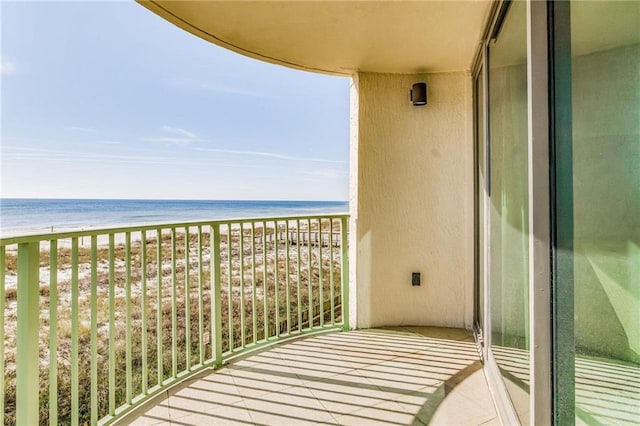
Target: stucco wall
[(412, 200)]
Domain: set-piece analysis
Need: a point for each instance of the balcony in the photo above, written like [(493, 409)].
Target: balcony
[(216, 322), (101, 321)]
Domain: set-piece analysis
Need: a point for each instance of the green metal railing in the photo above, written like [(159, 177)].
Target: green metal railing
[(96, 322)]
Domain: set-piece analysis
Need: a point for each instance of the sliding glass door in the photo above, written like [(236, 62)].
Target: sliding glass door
[(557, 188), (480, 205), (508, 211), (601, 189)]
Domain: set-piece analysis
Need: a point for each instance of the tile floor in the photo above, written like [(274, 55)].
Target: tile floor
[(390, 376)]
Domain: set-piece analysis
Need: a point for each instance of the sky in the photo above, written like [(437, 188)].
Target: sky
[(108, 100)]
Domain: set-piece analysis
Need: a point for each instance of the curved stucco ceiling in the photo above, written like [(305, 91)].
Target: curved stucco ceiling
[(338, 37)]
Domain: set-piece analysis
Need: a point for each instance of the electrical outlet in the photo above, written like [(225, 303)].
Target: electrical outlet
[(415, 278)]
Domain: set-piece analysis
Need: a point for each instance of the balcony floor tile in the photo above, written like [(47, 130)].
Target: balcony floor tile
[(389, 376)]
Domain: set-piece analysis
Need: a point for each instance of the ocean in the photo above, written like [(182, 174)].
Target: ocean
[(19, 215)]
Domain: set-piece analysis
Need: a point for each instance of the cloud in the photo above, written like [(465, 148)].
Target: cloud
[(178, 131), (216, 88), (109, 142), (270, 155), (13, 153), (174, 136), (7, 67), (19, 153), (324, 174)]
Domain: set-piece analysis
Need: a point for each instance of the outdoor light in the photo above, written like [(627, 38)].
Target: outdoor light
[(418, 94)]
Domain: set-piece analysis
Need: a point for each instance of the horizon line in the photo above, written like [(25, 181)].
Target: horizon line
[(167, 199)]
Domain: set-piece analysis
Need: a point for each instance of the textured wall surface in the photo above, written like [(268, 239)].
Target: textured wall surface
[(413, 209)]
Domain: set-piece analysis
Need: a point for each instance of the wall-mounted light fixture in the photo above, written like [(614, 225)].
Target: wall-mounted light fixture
[(418, 94)]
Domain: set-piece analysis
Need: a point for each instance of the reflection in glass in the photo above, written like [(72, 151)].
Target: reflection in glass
[(509, 274), (605, 44)]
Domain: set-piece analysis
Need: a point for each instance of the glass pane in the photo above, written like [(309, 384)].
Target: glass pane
[(605, 44), (509, 250), (480, 202)]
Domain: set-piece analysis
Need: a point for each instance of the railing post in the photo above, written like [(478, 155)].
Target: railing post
[(53, 332), (27, 363), (215, 280), (2, 314), (344, 270)]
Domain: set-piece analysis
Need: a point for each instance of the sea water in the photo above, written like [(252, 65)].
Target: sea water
[(45, 215)]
